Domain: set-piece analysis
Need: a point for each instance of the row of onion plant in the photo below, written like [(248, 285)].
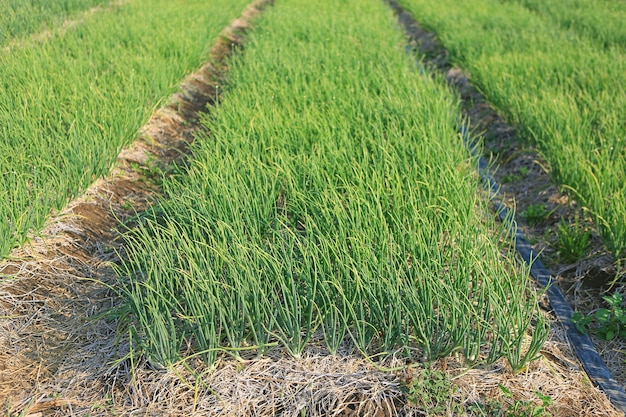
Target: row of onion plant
[(564, 90), (331, 197), (69, 103), (602, 20), (20, 18)]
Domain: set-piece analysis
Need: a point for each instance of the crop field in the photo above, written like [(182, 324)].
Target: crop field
[(563, 88), (69, 104), (321, 244), (19, 18), (600, 20)]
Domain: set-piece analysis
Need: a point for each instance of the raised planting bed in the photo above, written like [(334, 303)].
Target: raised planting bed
[(19, 19), (602, 20), (563, 90), (577, 263), (70, 103)]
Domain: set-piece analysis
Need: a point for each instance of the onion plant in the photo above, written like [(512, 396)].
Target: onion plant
[(330, 193), (566, 91), (69, 104), (601, 20), (19, 18)]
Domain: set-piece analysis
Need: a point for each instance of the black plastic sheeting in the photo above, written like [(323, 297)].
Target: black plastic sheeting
[(581, 343)]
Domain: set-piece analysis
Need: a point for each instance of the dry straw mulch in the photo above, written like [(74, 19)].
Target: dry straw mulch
[(59, 356)]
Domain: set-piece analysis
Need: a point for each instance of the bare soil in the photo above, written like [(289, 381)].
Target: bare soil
[(60, 356)]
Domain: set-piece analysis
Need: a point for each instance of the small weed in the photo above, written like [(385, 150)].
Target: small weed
[(581, 321), (150, 171), (610, 322), (535, 214), (572, 240), (432, 391), (509, 178), (518, 408), (102, 406), (512, 177)]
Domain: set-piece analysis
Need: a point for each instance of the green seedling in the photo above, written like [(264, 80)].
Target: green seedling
[(513, 177), (572, 240), (127, 205), (520, 408), (535, 214), (517, 408), (609, 322), (581, 321), (431, 390)]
